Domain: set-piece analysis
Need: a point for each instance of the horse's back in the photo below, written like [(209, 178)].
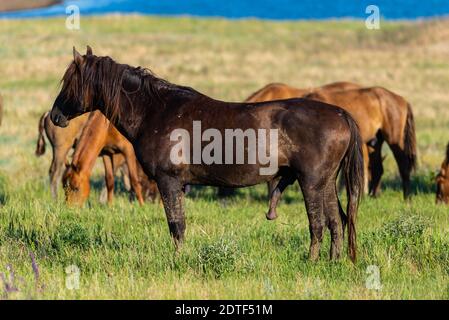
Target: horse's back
[(363, 104), (339, 86), (60, 136), (276, 91)]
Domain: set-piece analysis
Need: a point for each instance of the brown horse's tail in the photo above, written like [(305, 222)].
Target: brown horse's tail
[(410, 139), (40, 147), (353, 172)]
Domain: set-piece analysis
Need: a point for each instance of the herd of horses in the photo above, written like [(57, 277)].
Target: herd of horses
[(125, 115)]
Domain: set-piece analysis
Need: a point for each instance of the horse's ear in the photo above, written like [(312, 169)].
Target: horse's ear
[(130, 81), (89, 51), (77, 57)]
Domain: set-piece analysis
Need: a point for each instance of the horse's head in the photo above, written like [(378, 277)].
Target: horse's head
[(76, 186), (442, 180), (75, 98)]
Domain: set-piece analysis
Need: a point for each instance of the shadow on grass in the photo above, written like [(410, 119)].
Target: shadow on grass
[(255, 193), (422, 184), (97, 183)]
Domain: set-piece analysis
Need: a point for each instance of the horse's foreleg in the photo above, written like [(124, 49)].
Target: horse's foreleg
[(275, 194), (172, 196), (405, 168), (109, 176), (119, 165), (365, 167), (376, 168), (131, 161)]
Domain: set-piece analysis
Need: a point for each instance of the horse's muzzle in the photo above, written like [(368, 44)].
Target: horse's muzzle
[(58, 118)]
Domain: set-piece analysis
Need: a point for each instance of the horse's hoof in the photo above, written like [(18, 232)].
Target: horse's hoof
[(271, 215)]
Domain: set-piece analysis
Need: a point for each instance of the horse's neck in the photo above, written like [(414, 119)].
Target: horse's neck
[(135, 110), (90, 144)]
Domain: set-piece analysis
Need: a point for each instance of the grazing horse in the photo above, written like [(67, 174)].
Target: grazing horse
[(62, 141), (382, 116), (442, 180), (309, 141), (100, 138), (280, 91)]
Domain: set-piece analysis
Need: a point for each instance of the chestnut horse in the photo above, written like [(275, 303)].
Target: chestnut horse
[(382, 116), (62, 140), (442, 180), (100, 138), (280, 91), (315, 141)]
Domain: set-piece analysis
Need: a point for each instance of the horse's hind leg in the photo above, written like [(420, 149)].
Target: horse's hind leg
[(314, 192), (271, 185), (276, 193), (57, 169), (335, 218)]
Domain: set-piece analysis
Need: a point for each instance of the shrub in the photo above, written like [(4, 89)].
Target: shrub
[(218, 258), (71, 234), (406, 226)]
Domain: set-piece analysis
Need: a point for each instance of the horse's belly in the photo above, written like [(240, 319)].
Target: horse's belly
[(235, 175)]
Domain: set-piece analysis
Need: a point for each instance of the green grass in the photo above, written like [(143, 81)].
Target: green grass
[(231, 250), (124, 251)]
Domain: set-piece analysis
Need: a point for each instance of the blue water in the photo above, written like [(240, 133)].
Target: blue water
[(263, 9)]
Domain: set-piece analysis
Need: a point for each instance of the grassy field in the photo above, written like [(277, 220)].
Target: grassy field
[(124, 251)]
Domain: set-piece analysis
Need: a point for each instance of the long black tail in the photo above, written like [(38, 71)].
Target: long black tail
[(354, 176), (40, 146), (410, 139)]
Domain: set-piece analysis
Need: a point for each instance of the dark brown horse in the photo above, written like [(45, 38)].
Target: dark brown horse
[(382, 116), (442, 180), (100, 138), (309, 141)]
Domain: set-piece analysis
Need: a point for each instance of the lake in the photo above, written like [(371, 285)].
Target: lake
[(235, 9)]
